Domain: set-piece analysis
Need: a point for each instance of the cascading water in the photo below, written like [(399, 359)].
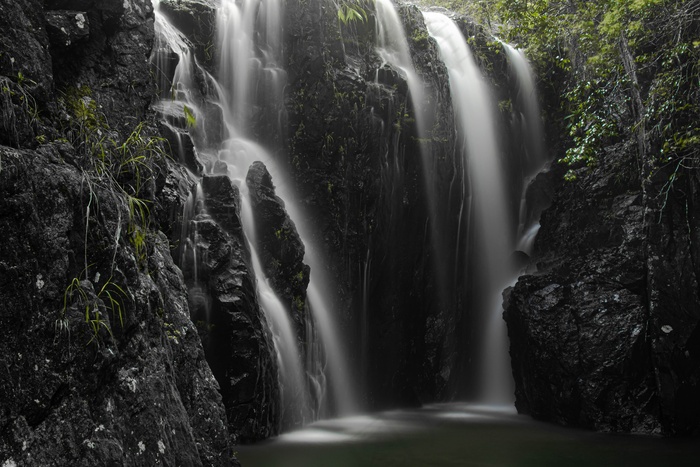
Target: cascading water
[(249, 89), (295, 397), (530, 129), (176, 93), (392, 47), (476, 124), (240, 152), (531, 124)]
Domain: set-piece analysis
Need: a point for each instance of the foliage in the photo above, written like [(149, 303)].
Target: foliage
[(352, 11), (191, 120), (591, 122), (14, 97), (125, 167), (110, 296), (119, 169), (624, 69)]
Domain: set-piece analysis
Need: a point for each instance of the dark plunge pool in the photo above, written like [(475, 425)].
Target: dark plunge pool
[(461, 435)]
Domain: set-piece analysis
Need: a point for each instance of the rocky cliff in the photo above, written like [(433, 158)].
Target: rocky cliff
[(605, 329), (101, 364)]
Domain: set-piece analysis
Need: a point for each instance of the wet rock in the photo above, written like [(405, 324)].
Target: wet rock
[(196, 19), (65, 28), (224, 304), (587, 358), (356, 163), (173, 188), (183, 148), (281, 254), (223, 201), (604, 334), (280, 248)]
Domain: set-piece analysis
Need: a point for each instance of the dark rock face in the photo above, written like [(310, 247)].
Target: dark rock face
[(356, 164), (197, 20), (223, 301), (604, 336), (360, 168), (65, 28), (281, 254), (91, 393), (111, 61), (673, 284), (173, 187), (281, 249), (25, 71)]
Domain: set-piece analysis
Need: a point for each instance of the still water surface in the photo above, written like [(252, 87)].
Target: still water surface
[(460, 435)]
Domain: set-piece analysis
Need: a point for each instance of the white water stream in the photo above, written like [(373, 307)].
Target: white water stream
[(392, 47), (532, 133), (474, 111)]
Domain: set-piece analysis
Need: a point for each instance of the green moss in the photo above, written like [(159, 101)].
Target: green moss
[(299, 303), (420, 38)]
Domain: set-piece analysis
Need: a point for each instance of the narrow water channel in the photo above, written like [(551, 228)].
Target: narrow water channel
[(461, 435)]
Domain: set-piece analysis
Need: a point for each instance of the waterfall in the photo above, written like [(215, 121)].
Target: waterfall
[(392, 47), (530, 128), (249, 90), (295, 397), (529, 109), (241, 152), (474, 111), (459, 218)]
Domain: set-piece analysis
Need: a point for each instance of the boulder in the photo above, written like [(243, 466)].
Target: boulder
[(604, 334)]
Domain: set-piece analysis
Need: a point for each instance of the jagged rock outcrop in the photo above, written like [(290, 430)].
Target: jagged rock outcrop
[(224, 304), (281, 252), (67, 27), (281, 249)]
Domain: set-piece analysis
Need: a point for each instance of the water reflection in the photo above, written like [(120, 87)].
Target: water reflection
[(461, 435)]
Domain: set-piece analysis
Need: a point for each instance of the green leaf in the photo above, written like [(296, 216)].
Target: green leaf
[(190, 118)]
